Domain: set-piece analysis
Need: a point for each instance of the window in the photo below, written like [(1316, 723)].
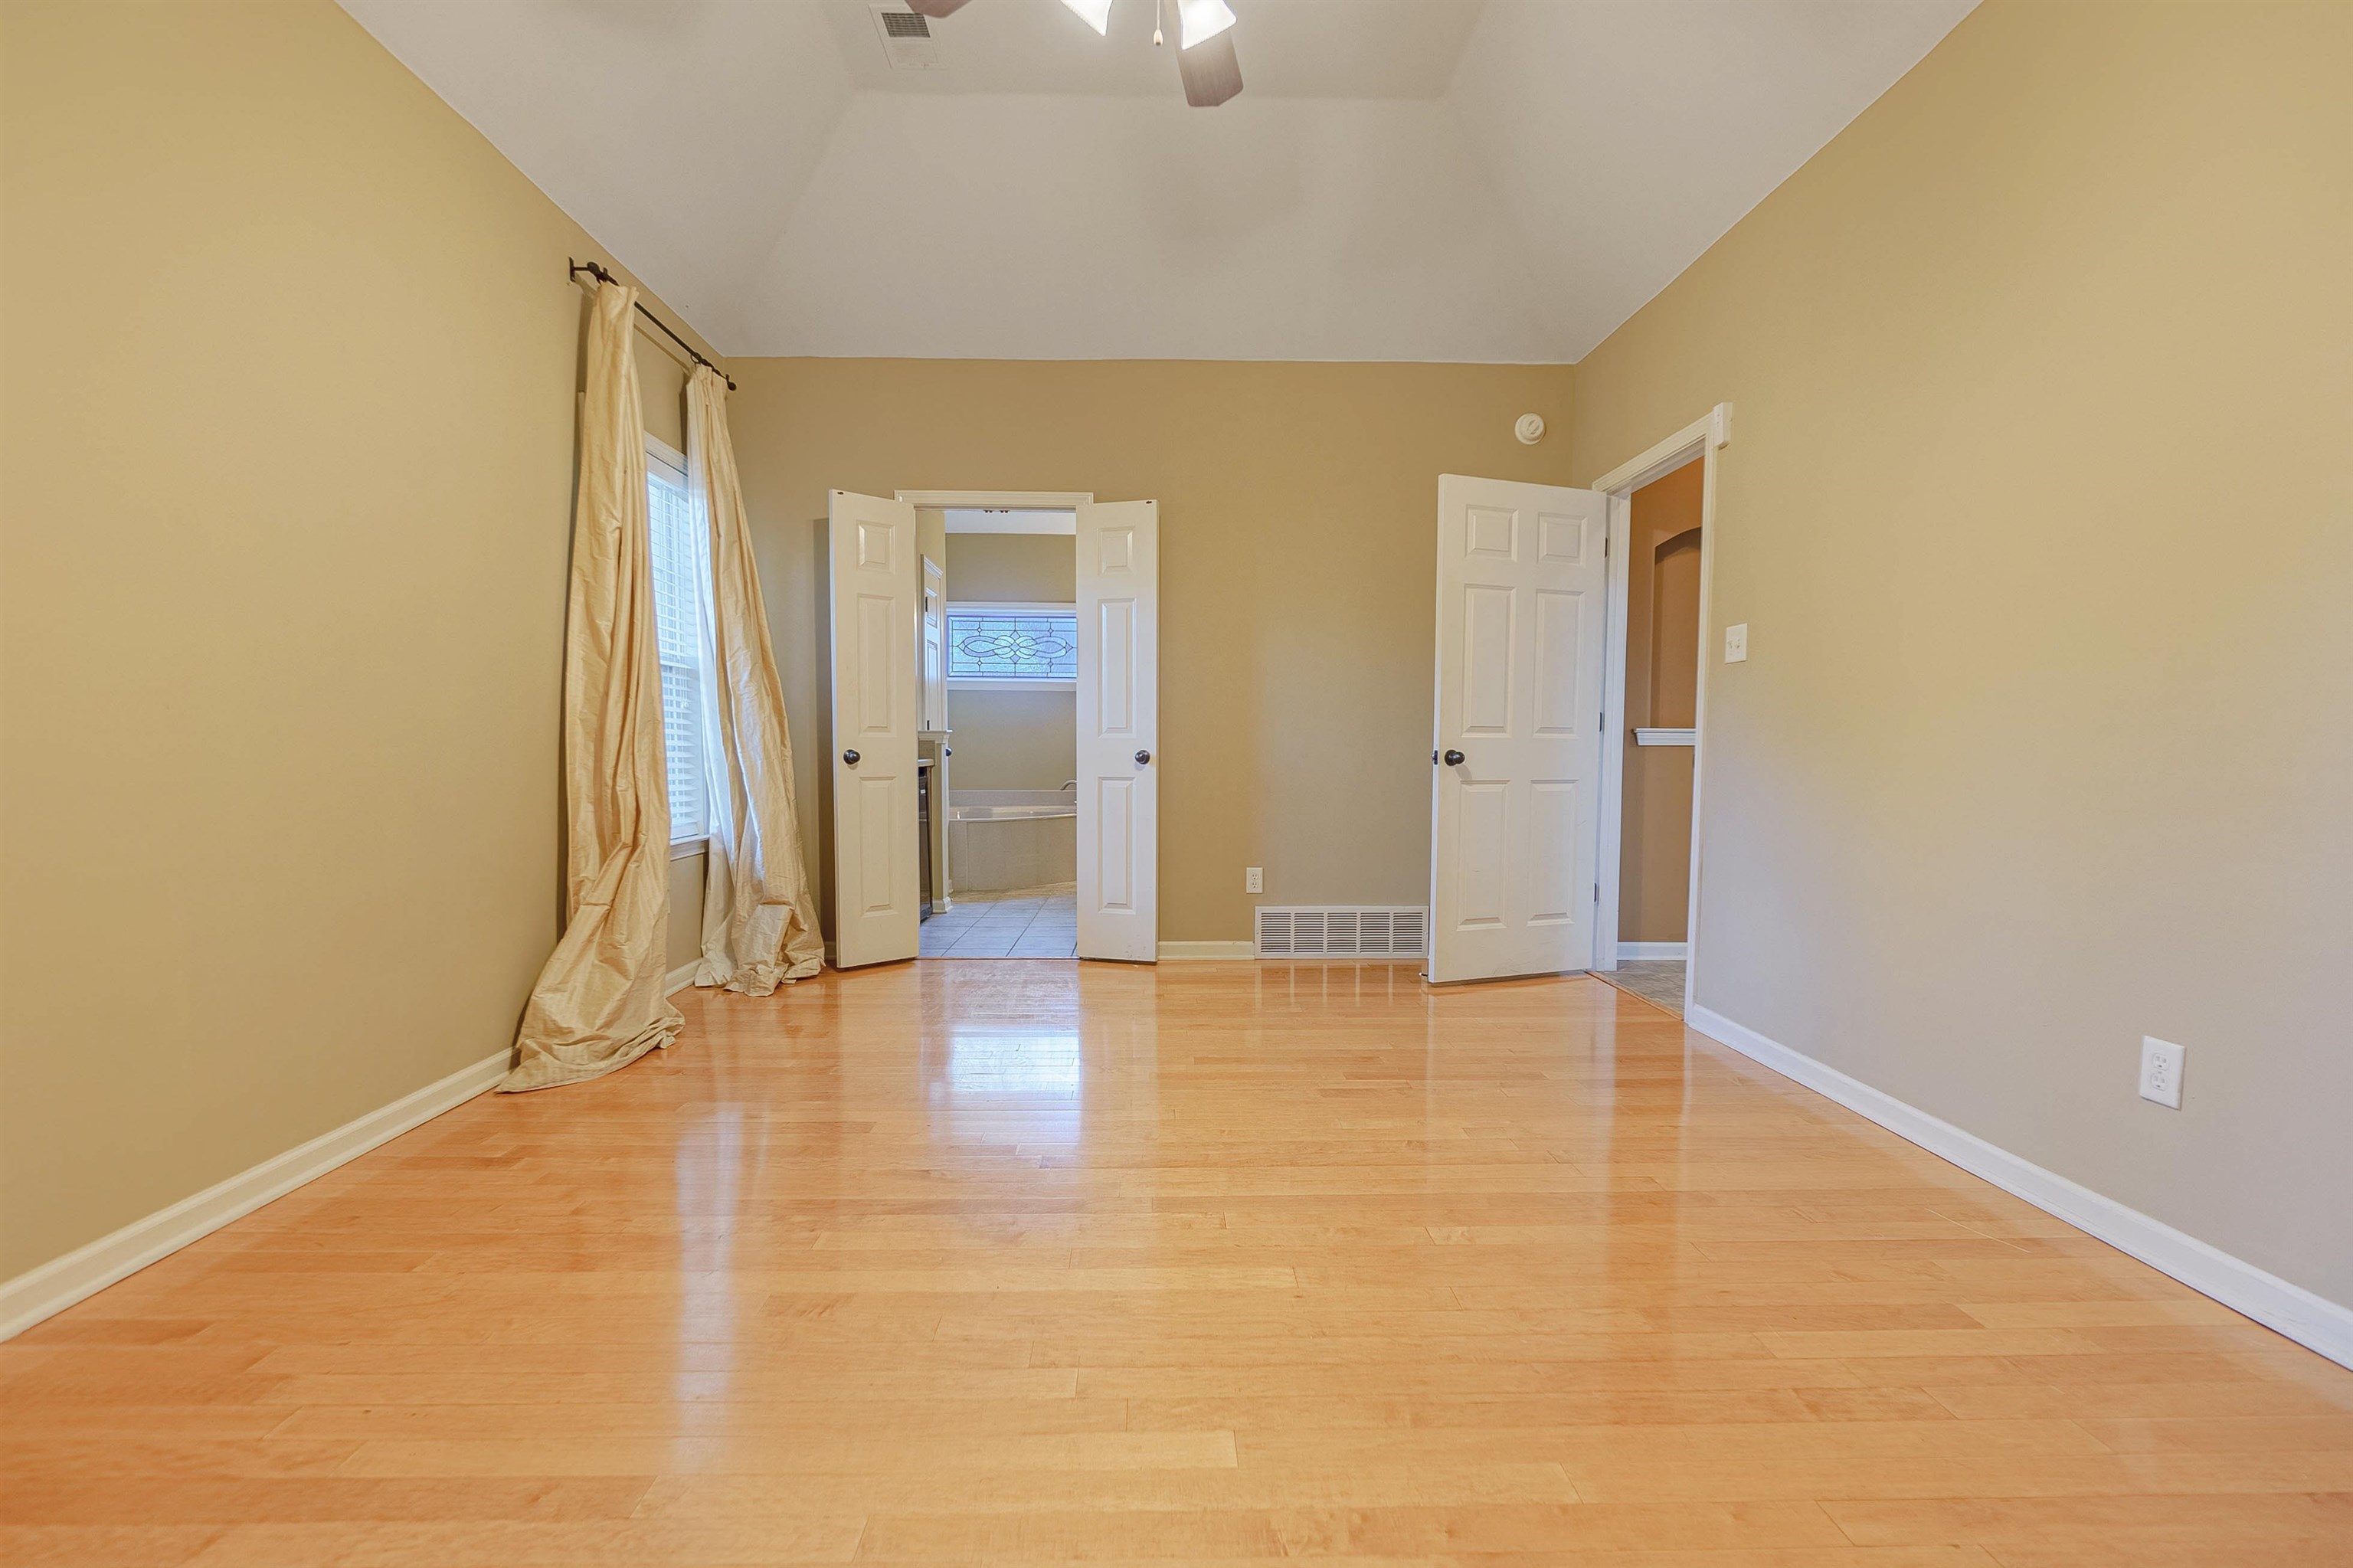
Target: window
[(677, 619), (1013, 644)]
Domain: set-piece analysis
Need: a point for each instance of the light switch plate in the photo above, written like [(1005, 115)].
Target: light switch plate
[(1254, 879), (2161, 1062), (1735, 643)]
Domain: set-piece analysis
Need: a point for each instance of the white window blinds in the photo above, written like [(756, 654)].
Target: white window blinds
[(678, 618)]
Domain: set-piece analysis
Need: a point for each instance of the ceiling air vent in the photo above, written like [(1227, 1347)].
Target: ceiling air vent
[(1343, 931), (907, 41)]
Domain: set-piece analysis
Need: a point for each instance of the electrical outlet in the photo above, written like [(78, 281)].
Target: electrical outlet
[(2160, 1071), (1253, 879), (1735, 643)]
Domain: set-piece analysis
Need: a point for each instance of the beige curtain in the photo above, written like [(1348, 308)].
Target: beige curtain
[(600, 1002), (759, 920)]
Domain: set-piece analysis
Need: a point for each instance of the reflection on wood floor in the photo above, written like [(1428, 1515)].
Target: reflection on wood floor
[(1014, 1263)]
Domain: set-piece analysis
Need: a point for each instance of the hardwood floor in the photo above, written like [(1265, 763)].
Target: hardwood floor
[(1018, 1262)]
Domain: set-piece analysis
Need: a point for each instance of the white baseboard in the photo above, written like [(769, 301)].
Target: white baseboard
[(1634, 952), (43, 1292), (1183, 951), (681, 977), (2309, 1319)]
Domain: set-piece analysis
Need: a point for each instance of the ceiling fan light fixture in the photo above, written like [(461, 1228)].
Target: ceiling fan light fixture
[(1203, 19), (1095, 14)]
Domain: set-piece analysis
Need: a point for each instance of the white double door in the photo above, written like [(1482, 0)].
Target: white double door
[(877, 706), (1516, 753)]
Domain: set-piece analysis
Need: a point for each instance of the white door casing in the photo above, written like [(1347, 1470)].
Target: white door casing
[(876, 709), (1119, 724), (1522, 613), (934, 671)]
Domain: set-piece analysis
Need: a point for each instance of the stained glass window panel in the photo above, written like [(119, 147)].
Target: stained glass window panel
[(985, 644)]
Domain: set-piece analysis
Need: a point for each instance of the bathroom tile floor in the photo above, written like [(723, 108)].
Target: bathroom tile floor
[(1024, 922), (1659, 982)]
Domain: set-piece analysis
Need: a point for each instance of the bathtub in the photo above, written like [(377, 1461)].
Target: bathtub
[(1009, 813), (1001, 839)]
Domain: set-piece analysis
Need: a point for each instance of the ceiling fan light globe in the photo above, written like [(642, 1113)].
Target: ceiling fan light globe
[(1095, 14), (1203, 19)]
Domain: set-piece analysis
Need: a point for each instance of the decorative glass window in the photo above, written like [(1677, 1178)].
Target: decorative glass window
[(680, 586), (1018, 644)]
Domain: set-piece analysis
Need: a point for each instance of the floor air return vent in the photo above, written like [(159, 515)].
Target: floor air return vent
[(1343, 932)]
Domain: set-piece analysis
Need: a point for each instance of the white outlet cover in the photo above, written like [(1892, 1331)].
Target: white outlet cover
[(2161, 1062), (1253, 879), (1735, 643)]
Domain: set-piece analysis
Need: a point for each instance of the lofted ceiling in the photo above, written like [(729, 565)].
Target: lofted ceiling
[(1470, 180)]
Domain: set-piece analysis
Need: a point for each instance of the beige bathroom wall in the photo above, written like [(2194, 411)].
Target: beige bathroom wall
[(286, 427), (1041, 568), (2039, 510), (1013, 740), (1298, 507), (1662, 644)]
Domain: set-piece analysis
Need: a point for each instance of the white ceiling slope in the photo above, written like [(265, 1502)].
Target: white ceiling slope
[(1477, 180)]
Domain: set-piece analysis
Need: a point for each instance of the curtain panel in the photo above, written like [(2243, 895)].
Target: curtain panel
[(759, 914), (600, 1002)]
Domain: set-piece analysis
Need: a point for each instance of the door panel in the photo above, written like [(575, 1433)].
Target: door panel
[(1115, 842), (1115, 667), (1118, 767), (1513, 835), (1552, 837), (1483, 828), (876, 869), (1486, 660)]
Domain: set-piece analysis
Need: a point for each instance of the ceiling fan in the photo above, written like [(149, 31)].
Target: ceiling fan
[(1205, 50)]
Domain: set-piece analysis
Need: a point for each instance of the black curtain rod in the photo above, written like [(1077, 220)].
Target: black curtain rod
[(602, 276)]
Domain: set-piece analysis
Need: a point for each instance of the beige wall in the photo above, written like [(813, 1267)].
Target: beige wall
[(1041, 568), (1661, 649), (1013, 740), (1298, 541), (2039, 509), (286, 450)]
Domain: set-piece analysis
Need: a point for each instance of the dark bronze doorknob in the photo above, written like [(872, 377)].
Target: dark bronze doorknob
[(851, 757), (1454, 759), (1142, 757)]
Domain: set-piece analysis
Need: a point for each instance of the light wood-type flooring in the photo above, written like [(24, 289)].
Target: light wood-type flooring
[(1029, 1262)]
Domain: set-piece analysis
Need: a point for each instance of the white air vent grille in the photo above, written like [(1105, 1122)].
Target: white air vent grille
[(907, 41), (1343, 931)]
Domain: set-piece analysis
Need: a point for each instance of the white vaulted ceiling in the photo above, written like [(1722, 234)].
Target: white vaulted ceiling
[(1400, 180)]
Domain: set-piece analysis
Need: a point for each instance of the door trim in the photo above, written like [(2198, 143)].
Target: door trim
[(1702, 440), (995, 500)]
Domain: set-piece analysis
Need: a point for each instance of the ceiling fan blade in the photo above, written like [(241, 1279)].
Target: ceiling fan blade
[(1211, 73), (933, 8)]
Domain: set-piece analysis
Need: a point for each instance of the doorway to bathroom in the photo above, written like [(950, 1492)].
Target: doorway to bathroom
[(1009, 809), (1661, 670), (1001, 706)]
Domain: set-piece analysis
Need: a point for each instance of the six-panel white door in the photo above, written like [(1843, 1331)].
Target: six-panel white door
[(1119, 724), (876, 705), (1514, 808)]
